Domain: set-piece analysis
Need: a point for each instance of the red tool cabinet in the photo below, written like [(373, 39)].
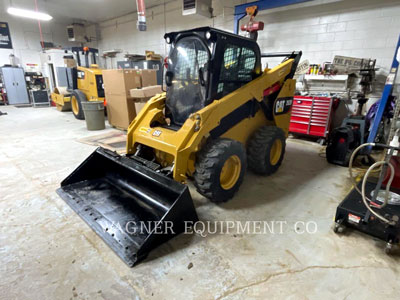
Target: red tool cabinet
[(311, 115)]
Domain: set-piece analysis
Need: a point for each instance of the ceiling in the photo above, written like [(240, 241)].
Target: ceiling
[(89, 10)]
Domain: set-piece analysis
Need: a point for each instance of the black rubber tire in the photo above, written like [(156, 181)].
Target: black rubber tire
[(259, 148), (209, 163), (80, 97)]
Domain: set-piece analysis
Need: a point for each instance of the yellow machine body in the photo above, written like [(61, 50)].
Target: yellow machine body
[(178, 148), (221, 114), (62, 99), (87, 82)]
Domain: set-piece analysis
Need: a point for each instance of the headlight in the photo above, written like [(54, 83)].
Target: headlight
[(208, 35), (168, 40)]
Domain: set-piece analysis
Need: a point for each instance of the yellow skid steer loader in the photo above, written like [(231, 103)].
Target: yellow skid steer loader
[(221, 113)]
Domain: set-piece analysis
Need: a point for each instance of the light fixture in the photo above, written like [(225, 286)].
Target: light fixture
[(31, 14)]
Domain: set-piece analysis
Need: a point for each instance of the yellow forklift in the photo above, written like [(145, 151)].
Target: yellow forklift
[(84, 84)]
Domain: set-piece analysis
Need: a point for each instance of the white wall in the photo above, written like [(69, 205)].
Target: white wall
[(26, 38), (360, 28), (121, 33)]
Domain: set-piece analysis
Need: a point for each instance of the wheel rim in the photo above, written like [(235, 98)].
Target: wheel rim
[(74, 105), (230, 172), (276, 151)]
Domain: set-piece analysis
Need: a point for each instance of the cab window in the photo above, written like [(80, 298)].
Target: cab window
[(237, 69)]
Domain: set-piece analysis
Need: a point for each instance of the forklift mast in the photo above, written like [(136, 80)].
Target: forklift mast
[(86, 51)]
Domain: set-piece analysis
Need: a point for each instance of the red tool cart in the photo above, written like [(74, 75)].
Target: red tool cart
[(311, 116)]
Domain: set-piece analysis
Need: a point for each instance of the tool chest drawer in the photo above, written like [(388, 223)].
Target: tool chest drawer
[(311, 115)]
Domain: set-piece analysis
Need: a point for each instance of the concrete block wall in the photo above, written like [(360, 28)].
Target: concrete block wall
[(121, 33), (359, 28)]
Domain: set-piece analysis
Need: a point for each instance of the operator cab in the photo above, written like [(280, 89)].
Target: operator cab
[(204, 65)]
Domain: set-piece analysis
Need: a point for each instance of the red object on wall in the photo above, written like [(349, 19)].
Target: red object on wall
[(311, 116), (252, 27)]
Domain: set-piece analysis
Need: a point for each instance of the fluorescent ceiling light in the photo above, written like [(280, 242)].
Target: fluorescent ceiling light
[(31, 14)]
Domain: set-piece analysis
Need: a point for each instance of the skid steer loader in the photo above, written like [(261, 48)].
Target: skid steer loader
[(220, 114)]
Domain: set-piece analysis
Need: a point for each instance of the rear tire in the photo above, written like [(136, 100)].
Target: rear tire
[(220, 168), (77, 97), (266, 150)]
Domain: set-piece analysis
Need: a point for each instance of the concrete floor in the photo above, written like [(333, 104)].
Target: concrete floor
[(48, 252)]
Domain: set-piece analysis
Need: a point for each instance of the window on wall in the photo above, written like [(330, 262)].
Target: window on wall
[(237, 68)]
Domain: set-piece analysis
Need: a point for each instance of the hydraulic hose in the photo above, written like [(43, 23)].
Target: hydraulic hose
[(362, 191), (364, 198), (353, 155)]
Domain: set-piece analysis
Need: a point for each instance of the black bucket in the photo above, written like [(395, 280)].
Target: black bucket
[(132, 208)]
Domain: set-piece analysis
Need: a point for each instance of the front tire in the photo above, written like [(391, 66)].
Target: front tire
[(220, 168), (266, 150), (77, 97)]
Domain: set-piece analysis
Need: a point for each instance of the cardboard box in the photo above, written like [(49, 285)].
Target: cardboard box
[(141, 96), (148, 77), (118, 83), (70, 62), (139, 106), (120, 110), (145, 92), (150, 55), (121, 81)]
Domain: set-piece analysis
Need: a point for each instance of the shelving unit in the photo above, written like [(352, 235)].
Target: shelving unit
[(326, 83)]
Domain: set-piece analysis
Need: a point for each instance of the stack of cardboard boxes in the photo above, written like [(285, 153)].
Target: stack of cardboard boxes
[(126, 91), (141, 96)]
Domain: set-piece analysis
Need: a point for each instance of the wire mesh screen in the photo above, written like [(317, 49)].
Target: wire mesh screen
[(246, 64), (229, 68), (237, 68)]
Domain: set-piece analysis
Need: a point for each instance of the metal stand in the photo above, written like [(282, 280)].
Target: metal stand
[(39, 98), (387, 91)]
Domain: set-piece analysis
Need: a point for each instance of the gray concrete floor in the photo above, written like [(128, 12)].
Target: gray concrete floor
[(48, 252)]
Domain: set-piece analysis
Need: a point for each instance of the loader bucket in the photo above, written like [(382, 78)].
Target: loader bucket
[(132, 208)]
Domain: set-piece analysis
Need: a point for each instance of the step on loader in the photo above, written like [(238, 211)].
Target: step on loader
[(221, 113)]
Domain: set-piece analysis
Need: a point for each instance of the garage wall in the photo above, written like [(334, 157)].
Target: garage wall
[(359, 28), (121, 33), (348, 27), (26, 39)]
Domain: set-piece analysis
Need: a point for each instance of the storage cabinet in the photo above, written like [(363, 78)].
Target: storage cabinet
[(311, 116), (15, 85)]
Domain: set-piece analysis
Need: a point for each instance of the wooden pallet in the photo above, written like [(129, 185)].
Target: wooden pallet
[(114, 141)]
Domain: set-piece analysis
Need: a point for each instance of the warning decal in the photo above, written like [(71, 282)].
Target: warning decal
[(354, 218)]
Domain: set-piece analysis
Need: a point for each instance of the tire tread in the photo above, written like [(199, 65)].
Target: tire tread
[(259, 144), (207, 162)]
